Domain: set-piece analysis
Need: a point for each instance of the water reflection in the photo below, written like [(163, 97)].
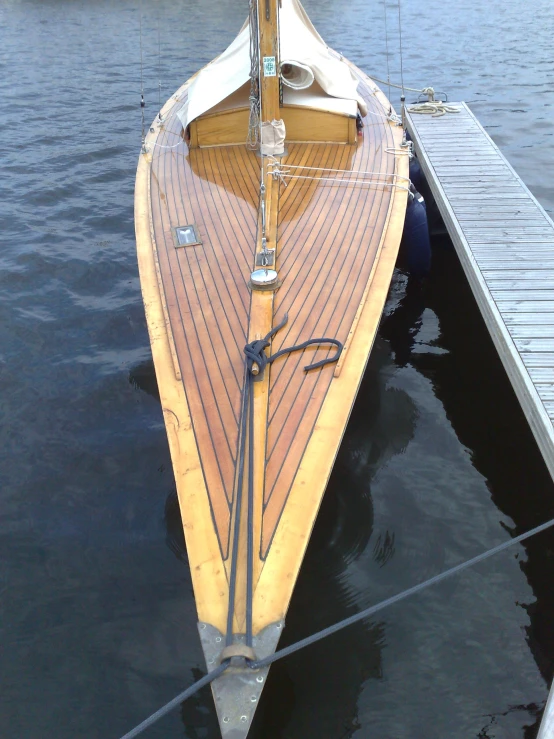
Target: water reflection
[(143, 377), (484, 412)]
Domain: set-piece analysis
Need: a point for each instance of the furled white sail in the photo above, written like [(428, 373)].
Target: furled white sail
[(334, 87)]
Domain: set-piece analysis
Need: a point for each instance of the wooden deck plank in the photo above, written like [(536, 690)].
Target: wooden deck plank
[(326, 237), (209, 346), (525, 306), (539, 359)]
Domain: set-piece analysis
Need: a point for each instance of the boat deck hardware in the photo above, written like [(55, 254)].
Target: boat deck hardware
[(186, 236)]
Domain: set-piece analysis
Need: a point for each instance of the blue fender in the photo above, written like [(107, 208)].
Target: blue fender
[(416, 245), (417, 178)]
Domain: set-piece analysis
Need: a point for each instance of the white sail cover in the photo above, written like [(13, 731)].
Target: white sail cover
[(299, 42)]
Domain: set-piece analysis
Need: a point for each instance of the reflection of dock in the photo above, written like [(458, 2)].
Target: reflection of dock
[(505, 242)]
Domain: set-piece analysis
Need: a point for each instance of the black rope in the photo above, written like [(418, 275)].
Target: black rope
[(311, 342), (324, 633), (336, 627), (250, 521), (256, 362), (255, 353), (188, 693), (236, 529)]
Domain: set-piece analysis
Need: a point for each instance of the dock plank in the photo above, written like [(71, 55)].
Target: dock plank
[(505, 242)]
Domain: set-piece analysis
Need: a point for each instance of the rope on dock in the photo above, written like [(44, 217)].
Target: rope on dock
[(433, 108)]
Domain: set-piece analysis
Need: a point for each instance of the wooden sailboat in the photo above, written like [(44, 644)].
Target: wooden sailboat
[(233, 243)]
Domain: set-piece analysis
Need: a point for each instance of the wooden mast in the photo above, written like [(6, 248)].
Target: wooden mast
[(268, 26), (262, 305), (233, 697)]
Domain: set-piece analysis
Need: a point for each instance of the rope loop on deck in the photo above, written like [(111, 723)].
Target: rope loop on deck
[(311, 342), (257, 360)]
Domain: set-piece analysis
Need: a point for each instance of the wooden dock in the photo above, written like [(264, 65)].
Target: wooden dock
[(505, 242)]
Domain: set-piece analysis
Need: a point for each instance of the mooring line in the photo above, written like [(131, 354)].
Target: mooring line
[(256, 361), (188, 693), (324, 633)]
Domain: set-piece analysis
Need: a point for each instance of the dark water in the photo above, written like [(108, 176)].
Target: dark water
[(97, 617)]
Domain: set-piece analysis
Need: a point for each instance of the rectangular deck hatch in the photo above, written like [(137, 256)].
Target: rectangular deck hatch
[(186, 236)]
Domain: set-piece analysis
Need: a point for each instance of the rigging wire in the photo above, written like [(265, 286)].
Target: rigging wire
[(400, 43), (324, 633), (142, 103), (387, 45), (392, 84), (159, 57)]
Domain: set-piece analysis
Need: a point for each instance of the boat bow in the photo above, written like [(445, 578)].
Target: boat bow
[(252, 453)]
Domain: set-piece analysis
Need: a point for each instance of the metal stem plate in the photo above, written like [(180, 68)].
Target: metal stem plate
[(237, 692)]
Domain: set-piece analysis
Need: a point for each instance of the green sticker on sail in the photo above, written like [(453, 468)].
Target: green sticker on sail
[(270, 68)]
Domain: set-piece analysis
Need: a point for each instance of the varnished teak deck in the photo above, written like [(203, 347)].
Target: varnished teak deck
[(336, 247), (505, 242), (328, 238)]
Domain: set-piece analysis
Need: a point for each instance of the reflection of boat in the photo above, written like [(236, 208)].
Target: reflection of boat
[(298, 230)]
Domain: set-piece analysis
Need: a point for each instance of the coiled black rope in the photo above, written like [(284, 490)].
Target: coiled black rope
[(324, 633)]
